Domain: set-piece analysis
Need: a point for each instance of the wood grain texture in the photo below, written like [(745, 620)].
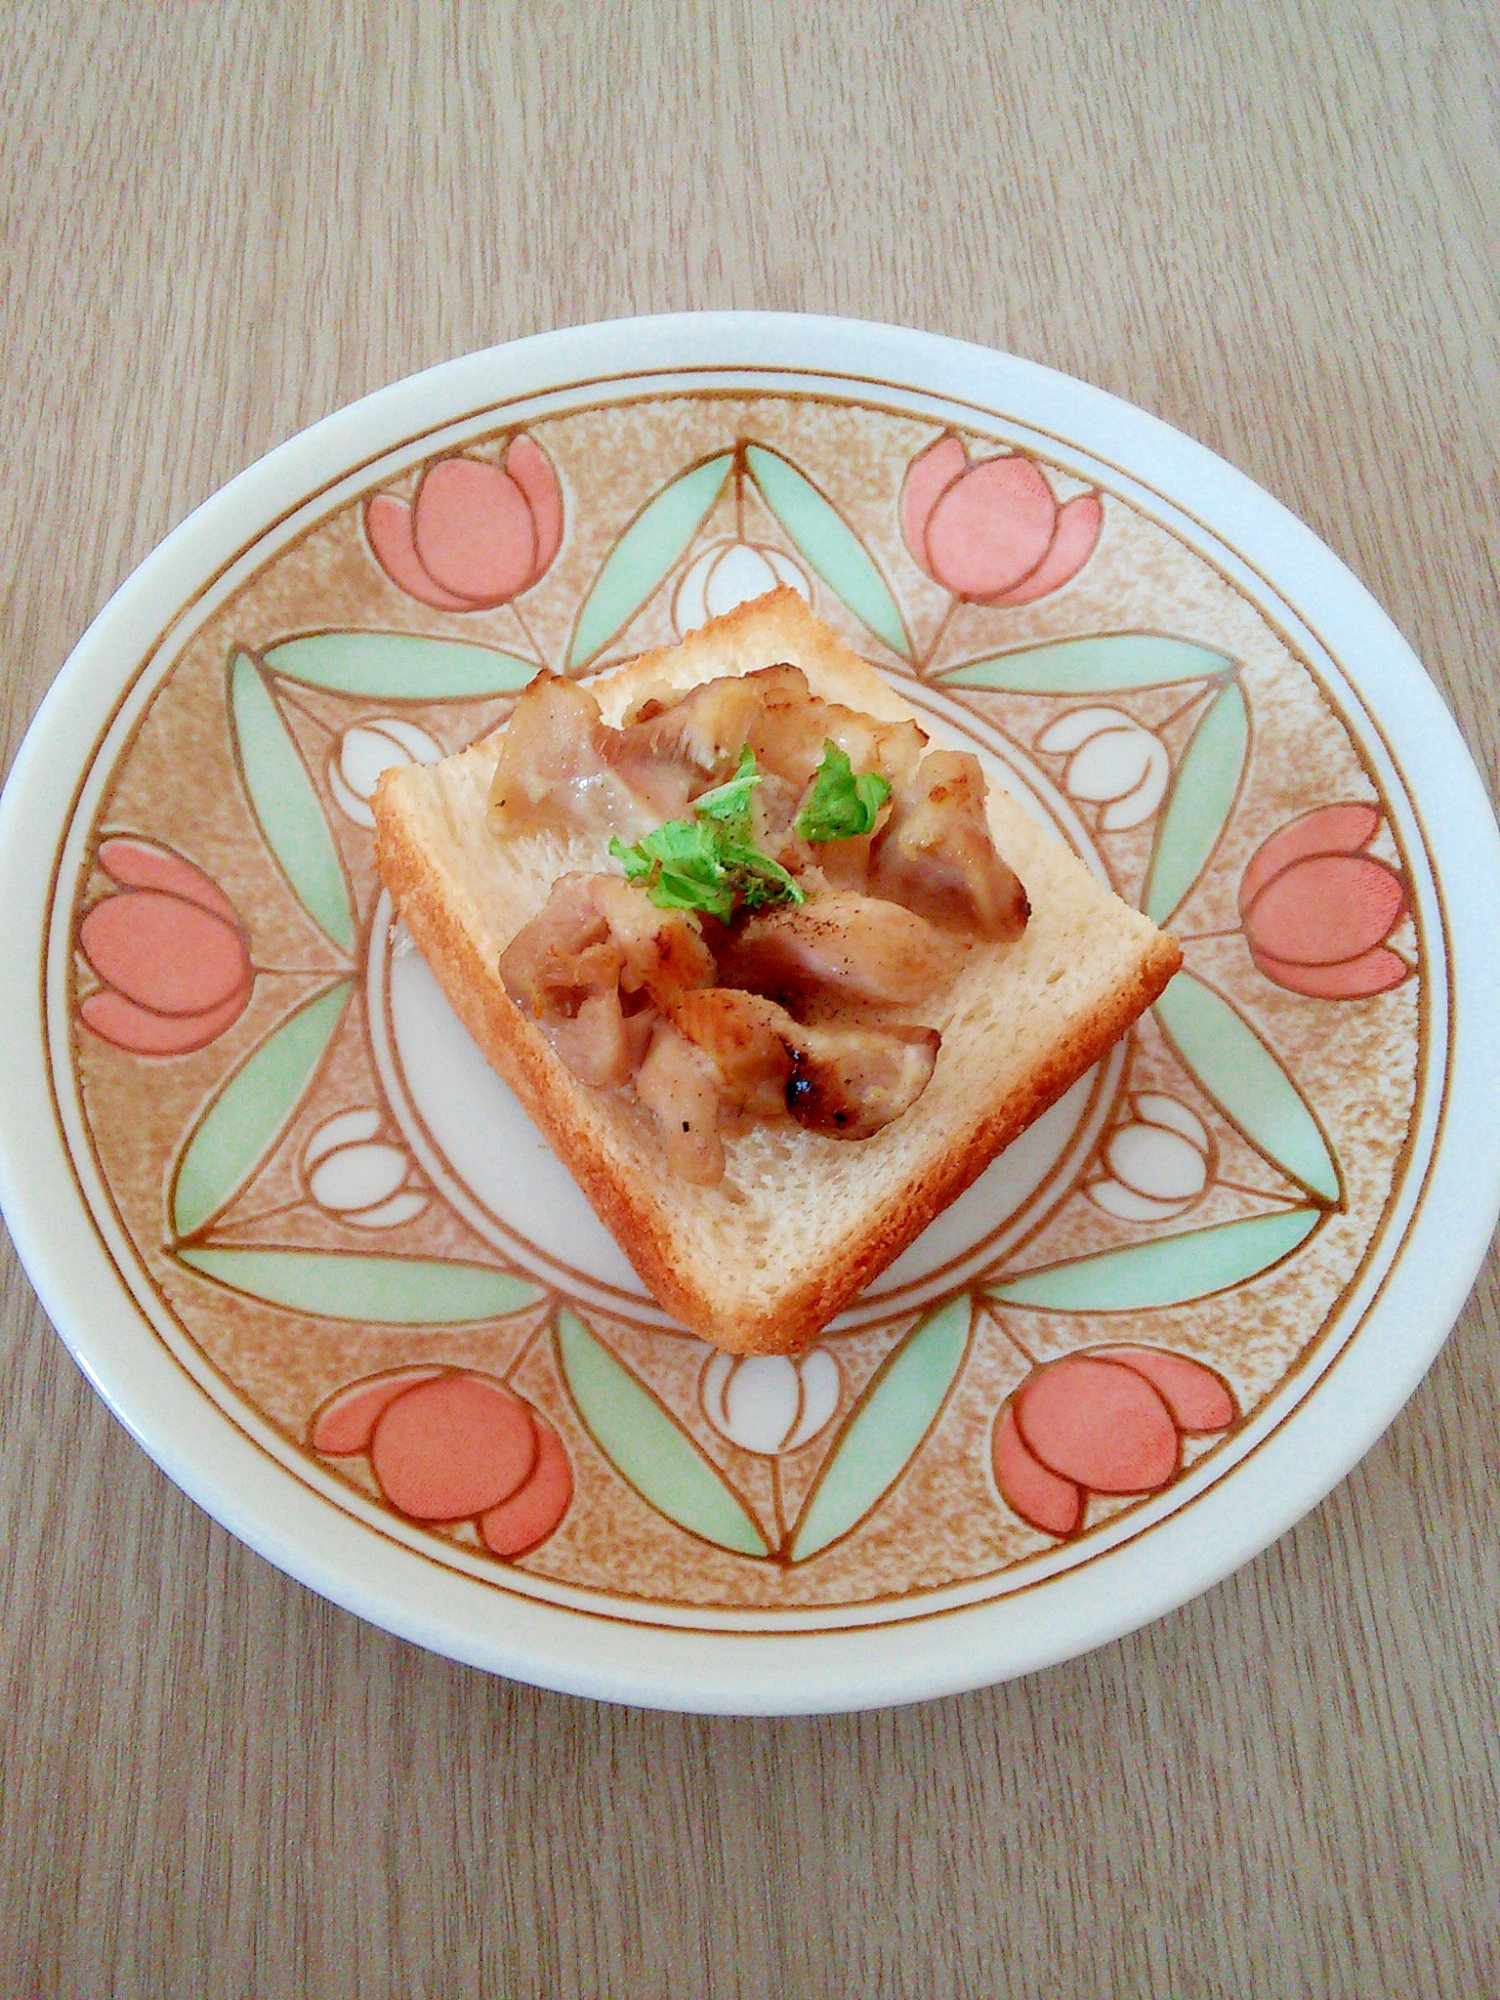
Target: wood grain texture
[(1277, 227)]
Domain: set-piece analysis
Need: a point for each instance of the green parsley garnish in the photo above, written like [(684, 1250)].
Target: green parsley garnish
[(841, 805), (710, 862), (730, 802)]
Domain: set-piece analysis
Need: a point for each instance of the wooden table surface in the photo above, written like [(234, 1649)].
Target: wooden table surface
[(1275, 225)]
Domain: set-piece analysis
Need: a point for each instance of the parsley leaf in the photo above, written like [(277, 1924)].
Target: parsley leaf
[(710, 862), (731, 801), (841, 805), (679, 867)]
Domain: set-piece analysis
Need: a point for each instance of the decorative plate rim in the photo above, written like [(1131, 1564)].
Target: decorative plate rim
[(772, 1671)]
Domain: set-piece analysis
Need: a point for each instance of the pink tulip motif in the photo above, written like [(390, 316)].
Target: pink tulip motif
[(1111, 1420), (168, 947), (448, 1445), (993, 531), (1317, 909), (476, 535)]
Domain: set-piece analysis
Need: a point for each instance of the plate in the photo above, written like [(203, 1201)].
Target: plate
[(312, 1254)]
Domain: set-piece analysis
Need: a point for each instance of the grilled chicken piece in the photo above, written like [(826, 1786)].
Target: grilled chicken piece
[(594, 967), (699, 736), (560, 766), (663, 950), (794, 726), (550, 771), (601, 1043), (845, 864), (936, 854), (594, 927), (849, 1082), (680, 1084), (544, 956), (846, 1081), (774, 805), (742, 1035), (620, 990), (851, 946)]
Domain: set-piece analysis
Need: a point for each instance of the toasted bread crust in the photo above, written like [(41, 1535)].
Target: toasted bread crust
[(810, 1306), (567, 1113), (585, 1126)]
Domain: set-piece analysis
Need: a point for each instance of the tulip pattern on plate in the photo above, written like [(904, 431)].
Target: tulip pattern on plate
[(1318, 908), (770, 1403), (168, 950), (729, 574), (993, 531), (1114, 763), (1158, 1162), (1110, 1421), (366, 1249), (449, 1446), (358, 1176), (365, 752), (476, 535)]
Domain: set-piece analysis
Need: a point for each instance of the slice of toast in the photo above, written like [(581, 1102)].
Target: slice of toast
[(800, 1223)]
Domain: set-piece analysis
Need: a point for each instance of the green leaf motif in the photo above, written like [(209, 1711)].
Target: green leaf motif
[(1201, 800), (398, 666), (392, 1291), (240, 1126), (829, 544), (286, 805), (649, 1448), (885, 1428), (1112, 663), (645, 553), (1246, 1081), (1168, 1272)]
